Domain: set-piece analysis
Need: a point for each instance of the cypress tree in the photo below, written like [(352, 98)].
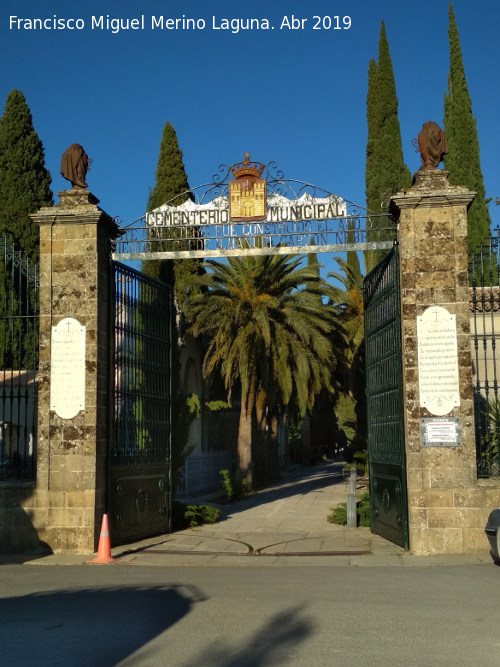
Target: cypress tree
[(24, 181), (171, 183), (462, 160), (170, 176), (372, 125), (385, 172)]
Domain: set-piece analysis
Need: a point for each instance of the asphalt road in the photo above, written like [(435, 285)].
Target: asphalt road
[(245, 616)]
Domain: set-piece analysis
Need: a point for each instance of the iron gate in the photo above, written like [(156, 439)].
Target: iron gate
[(384, 389), (19, 362), (139, 472)]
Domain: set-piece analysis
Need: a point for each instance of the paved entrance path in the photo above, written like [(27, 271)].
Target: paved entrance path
[(284, 524), (286, 519)]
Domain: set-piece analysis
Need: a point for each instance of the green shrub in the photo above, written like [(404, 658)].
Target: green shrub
[(363, 510), (187, 516), (339, 513), (197, 515), (227, 484), (232, 488)]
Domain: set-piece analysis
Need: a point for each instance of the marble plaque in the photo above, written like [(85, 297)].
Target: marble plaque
[(438, 361), (67, 368)]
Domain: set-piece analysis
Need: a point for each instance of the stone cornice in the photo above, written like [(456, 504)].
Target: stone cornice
[(76, 207), (432, 189)]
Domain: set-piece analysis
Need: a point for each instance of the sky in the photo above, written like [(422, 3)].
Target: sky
[(295, 96)]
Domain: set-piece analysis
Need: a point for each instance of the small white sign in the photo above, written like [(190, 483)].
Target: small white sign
[(440, 432), (438, 361), (67, 368)]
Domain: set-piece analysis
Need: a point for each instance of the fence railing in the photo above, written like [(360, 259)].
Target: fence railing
[(18, 362), (484, 302)]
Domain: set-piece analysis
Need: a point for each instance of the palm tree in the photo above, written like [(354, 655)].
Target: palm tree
[(268, 332), (349, 300)]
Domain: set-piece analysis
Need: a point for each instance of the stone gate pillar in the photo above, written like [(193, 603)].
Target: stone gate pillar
[(444, 503), (73, 405)]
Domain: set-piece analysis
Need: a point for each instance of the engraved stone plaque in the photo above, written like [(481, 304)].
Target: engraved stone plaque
[(67, 368), (438, 360)]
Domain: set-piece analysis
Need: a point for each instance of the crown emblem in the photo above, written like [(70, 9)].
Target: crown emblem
[(247, 192), (246, 168)]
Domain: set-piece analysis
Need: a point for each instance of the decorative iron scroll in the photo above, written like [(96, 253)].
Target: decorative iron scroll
[(301, 218)]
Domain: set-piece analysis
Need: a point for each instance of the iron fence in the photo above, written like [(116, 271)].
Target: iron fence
[(485, 328), (18, 362)]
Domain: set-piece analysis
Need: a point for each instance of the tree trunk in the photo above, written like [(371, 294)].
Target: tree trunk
[(245, 440), (273, 461), (259, 444)]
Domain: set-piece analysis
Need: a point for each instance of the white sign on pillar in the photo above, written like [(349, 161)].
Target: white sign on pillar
[(67, 368), (438, 377)]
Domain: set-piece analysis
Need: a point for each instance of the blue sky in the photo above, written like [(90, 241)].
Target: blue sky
[(293, 96)]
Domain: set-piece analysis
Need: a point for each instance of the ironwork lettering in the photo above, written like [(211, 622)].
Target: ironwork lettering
[(299, 217)]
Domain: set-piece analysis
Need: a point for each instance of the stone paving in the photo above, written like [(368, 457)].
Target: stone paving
[(286, 519)]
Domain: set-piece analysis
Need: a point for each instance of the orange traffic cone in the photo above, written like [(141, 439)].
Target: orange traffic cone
[(104, 548)]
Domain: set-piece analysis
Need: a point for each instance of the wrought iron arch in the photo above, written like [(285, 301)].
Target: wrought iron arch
[(301, 218)]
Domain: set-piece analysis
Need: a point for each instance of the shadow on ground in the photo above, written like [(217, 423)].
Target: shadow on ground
[(271, 645), (98, 627)]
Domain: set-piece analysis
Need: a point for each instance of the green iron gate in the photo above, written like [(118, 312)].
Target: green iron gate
[(384, 390), (139, 471)]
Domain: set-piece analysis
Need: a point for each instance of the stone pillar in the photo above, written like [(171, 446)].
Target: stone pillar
[(442, 484), (73, 452)]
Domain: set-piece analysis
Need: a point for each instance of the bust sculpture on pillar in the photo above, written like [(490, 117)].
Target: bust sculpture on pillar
[(432, 145), (74, 166)]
